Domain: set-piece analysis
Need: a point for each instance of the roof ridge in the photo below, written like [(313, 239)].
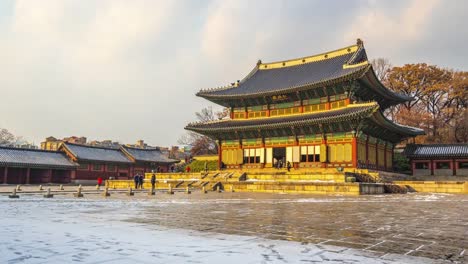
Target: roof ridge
[(90, 146), (312, 58), (440, 144), (28, 149), (147, 149)]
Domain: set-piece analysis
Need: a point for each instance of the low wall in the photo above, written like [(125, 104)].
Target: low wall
[(306, 188), (270, 187), (460, 187)]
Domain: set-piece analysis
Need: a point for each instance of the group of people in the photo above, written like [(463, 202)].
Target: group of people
[(139, 179), (280, 164)]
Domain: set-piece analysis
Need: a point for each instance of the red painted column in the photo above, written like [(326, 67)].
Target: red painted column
[(432, 164), (454, 167), (49, 176), (220, 154), (5, 175), (28, 175), (377, 155), (385, 155), (367, 151), (354, 151), (324, 142)]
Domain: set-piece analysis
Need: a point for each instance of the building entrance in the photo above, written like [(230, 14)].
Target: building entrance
[(279, 157)]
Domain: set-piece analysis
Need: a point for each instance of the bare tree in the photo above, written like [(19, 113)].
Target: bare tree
[(7, 138), (201, 144), (382, 67)]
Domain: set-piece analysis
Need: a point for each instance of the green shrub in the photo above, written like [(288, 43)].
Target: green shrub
[(401, 163), (199, 165)]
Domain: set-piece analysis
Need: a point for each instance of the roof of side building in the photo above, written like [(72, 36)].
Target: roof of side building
[(18, 157), (92, 153), (147, 155), (436, 150)]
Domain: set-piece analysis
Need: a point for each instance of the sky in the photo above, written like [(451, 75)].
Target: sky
[(129, 70)]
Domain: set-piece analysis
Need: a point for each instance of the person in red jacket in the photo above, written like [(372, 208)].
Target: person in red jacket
[(188, 169), (99, 181)]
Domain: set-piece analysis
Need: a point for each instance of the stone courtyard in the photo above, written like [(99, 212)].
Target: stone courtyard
[(230, 227)]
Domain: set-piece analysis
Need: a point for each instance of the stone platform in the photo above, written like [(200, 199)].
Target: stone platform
[(326, 181)]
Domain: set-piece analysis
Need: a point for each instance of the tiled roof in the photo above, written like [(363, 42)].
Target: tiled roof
[(436, 150), (304, 73), (17, 157), (329, 116), (278, 79), (91, 153), (147, 155)]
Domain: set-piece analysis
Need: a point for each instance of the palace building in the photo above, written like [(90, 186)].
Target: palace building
[(321, 111)]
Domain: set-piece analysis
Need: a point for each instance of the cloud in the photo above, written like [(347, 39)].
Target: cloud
[(126, 70), (382, 26)]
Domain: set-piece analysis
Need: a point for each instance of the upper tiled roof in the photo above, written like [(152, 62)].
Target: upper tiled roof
[(91, 153), (16, 157), (266, 79), (436, 150), (274, 77), (147, 155)]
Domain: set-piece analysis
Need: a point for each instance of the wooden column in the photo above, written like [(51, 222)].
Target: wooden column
[(264, 152), (324, 142), (367, 152), (454, 167), (5, 175), (393, 157), (354, 150), (220, 154), (49, 175), (432, 164), (385, 155), (28, 175), (377, 154)]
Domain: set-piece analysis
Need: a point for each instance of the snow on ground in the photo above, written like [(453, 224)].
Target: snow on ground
[(95, 230)]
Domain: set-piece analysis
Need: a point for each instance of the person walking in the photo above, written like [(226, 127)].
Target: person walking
[(288, 165), (141, 180), (187, 169), (136, 179), (206, 166), (153, 181), (99, 181)]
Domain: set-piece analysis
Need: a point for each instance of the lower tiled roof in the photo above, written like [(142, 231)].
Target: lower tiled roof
[(436, 150), (352, 111), (17, 157)]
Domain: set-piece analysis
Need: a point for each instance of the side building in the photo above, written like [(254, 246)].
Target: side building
[(97, 162), (438, 159), (31, 166), (147, 160), (321, 111)]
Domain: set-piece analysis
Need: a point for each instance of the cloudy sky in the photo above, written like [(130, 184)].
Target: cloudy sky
[(128, 70)]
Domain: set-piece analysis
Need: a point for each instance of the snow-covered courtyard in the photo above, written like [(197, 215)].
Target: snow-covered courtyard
[(234, 228)]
